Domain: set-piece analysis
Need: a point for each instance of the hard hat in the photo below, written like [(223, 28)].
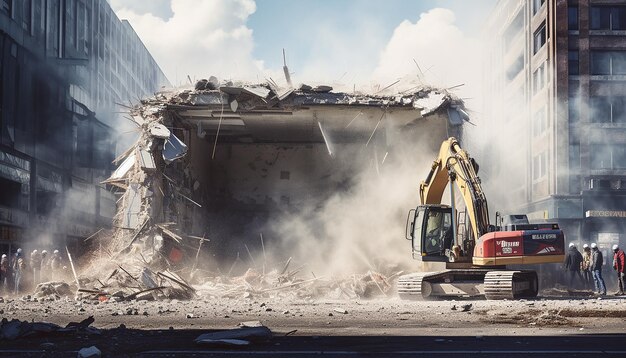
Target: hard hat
[(19, 251), (56, 251), (615, 247), (585, 246), (34, 251), (594, 245), (571, 244), (44, 251), (4, 256)]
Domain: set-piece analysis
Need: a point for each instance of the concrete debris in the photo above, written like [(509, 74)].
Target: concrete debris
[(237, 336), (254, 284), (158, 130), (15, 329), (54, 290), (137, 284), (89, 352), (124, 168), (430, 101), (145, 158)]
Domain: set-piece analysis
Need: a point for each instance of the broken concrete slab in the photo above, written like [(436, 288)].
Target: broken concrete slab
[(431, 102), (132, 212), (158, 130), (146, 161), (240, 335), (89, 352), (14, 329), (124, 168)]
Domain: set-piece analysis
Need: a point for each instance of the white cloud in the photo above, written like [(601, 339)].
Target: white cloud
[(159, 8), (446, 55), (200, 39)]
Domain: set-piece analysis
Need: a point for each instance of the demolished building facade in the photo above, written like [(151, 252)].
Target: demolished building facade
[(214, 164)]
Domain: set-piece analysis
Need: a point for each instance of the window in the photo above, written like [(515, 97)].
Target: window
[(539, 78), (540, 166), (540, 122), (573, 62), (605, 109), (600, 156), (600, 63), (600, 108), (515, 68), (608, 18), (514, 30), (572, 18), (608, 62), (619, 157), (537, 4), (539, 38)]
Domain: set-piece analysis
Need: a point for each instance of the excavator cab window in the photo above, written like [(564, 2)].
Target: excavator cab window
[(432, 232)]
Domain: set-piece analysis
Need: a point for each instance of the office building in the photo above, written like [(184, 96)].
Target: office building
[(64, 64), (556, 74)]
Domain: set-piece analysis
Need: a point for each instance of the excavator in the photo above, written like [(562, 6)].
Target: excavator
[(461, 253)]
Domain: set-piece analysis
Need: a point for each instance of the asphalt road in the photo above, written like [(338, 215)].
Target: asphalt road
[(556, 327), (179, 343)]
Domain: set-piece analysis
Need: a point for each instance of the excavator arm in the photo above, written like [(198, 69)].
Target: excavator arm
[(454, 165)]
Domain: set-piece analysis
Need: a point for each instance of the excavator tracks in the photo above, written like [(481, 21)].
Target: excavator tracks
[(494, 285), (410, 286), (500, 285)]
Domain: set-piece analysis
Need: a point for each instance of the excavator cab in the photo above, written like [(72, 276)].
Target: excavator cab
[(429, 227)]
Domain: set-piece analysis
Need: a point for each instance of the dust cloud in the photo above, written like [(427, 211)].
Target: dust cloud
[(362, 227)]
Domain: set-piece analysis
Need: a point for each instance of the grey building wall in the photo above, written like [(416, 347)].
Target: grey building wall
[(64, 64)]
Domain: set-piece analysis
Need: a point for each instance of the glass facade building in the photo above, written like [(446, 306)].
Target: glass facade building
[(65, 68)]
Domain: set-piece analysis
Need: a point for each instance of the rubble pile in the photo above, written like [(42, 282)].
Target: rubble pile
[(254, 284), (122, 285)]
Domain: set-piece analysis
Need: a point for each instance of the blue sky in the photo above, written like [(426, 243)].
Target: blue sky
[(290, 24), (355, 41)]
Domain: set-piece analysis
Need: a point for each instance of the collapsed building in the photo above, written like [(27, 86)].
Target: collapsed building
[(214, 165)]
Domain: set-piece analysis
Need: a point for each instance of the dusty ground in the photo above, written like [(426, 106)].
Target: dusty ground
[(542, 316)]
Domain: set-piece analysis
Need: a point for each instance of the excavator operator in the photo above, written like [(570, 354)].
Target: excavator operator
[(438, 234)]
